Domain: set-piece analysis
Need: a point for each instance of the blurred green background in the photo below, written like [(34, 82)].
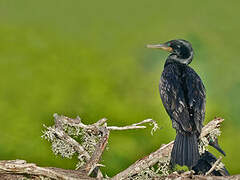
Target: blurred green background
[(88, 58)]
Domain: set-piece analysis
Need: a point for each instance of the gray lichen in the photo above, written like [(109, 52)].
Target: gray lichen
[(85, 138), (48, 134), (214, 134), (160, 169), (163, 167), (89, 141), (72, 131), (81, 162), (204, 142), (220, 166), (62, 148)]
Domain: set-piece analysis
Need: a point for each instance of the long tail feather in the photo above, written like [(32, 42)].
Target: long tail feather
[(185, 150)]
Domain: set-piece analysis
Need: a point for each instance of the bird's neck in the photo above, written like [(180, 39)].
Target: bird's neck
[(181, 59), (173, 61)]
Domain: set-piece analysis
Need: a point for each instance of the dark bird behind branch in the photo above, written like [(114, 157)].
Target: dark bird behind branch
[(205, 163), (183, 96)]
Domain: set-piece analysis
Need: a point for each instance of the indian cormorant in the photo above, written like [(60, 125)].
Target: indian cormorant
[(183, 96), (206, 162)]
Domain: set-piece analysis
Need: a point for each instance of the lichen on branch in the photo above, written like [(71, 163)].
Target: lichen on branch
[(71, 136)]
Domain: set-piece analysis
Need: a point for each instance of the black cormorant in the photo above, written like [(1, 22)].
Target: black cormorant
[(206, 162), (183, 96)]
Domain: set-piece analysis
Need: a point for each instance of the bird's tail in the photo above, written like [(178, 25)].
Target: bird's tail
[(185, 150)]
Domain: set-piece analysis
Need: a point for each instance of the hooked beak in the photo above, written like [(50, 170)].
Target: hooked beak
[(160, 46)]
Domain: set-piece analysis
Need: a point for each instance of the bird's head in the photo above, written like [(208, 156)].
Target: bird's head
[(181, 50)]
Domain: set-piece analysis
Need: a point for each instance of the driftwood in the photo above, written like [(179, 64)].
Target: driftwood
[(18, 169)]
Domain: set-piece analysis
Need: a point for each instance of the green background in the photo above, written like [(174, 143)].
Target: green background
[(88, 58)]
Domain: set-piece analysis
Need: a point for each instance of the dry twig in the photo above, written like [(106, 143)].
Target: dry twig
[(214, 166), (93, 162), (136, 126)]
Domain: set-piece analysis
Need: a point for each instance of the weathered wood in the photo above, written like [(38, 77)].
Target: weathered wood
[(13, 169)]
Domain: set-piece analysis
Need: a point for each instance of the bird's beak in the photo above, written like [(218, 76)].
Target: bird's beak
[(160, 46)]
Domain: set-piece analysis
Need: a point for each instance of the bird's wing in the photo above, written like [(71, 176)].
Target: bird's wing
[(196, 97), (172, 95)]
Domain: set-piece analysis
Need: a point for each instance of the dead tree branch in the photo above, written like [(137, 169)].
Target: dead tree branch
[(93, 162), (21, 167), (90, 149), (214, 166), (136, 126)]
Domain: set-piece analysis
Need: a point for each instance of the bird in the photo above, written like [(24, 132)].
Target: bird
[(214, 143), (206, 162), (184, 97)]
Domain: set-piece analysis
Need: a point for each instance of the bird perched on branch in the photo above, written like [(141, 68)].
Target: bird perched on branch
[(206, 162), (183, 96)]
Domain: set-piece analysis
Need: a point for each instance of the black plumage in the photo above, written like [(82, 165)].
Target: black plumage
[(214, 143), (206, 162), (183, 96)]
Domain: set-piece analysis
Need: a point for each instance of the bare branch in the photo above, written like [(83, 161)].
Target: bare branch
[(214, 166), (21, 167), (93, 162), (77, 122), (135, 126), (211, 126)]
